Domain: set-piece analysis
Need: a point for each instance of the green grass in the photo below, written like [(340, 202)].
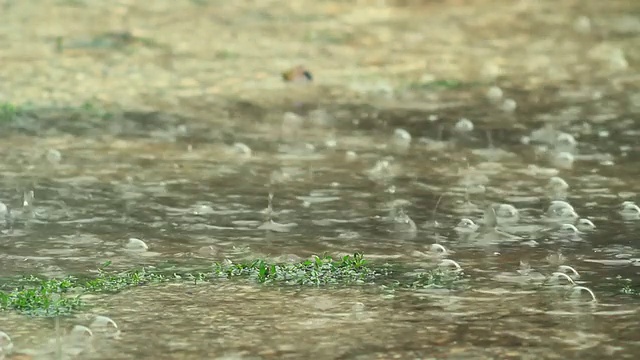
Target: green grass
[(38, 296), (8, 112)]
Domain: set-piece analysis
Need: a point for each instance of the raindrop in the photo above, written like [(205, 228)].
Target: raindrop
[(448, 263), (524, 269), (509, 106), (578, 291), (291, 123), (557, 277), (382, 170), (494, 94), (556, 259), (350, 156), (557, 184), (585, 225), (629, 210), (401, 140), (565, 142), (136, 245), (242, 149), (6, 345), (563, 160), (464, 126), (438, 249), (104, 324), (506, 214), (582, 25), (466, 226), (568, 269), (403, 223), (27, 198), (561, 211), (568, 229), (53, 156)]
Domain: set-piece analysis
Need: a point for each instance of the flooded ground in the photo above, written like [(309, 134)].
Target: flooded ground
[(456, 123)]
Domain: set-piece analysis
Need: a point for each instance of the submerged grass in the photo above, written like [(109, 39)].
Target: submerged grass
[(51, 297)]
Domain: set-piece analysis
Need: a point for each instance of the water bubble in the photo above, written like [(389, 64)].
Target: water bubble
[(466, 226), (494, 94), (568, 269), (350, 156), (582, 24), (509, 105), (568, 229), (438, 249), (448, 263), (565, 142), (136, 244), (556, 258), (105, 325), (291, 123), (242, 149), (464, 125), (401, 140), (506, 214), (629, 210), (557, 184), (561, 211), (403, 223), (578, 291), (563, 160), (6, 345), (557, 278), (81, 331), (53, 156), (585, 225)]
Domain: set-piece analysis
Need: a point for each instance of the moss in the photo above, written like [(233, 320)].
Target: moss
[(51, 297)]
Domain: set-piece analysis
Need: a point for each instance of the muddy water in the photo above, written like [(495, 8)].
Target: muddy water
[(345, 180)]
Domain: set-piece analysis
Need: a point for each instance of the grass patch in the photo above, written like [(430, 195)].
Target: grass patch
[(8, 112), (51, 297)]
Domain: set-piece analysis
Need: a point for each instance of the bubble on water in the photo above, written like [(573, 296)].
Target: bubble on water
[(506, 214), (242, 149), (291, 123), (271, 225), (401, 140), (350, 156), (136, 244), (466, 226), (464, 126), (6, 345), (383, 170), (448, 263), (582, 24), (557, 184), (509, 105), (438, 250), (561, 210), (81, 331), (53, 156), (585, 225), (578, 291), (403, 223), (629, 210), (555, 258), (560, 278), (563, 160), (494, 94), (565, 142), (105, 325), (573, 273), (321, 118), (568, 229), (618, 60)]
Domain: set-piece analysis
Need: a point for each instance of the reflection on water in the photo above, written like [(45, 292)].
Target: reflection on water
[(533, 193)]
